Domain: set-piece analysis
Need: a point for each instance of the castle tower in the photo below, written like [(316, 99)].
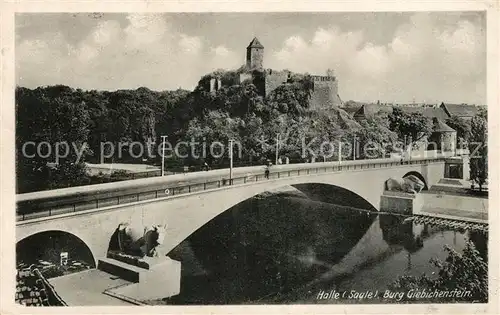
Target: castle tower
[(255, 55)]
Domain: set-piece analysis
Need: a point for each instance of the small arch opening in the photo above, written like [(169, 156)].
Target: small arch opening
[(419, 176), (54, 253)]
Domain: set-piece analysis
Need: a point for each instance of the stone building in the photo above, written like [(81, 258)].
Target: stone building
[(443, 137), (324, 89)]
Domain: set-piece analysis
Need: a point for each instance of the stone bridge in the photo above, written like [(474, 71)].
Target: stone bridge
[(186, 213)]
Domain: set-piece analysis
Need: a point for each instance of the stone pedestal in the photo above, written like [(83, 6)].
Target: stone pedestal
[(152, 277), (457, 167), (162, 280), (400, 202)]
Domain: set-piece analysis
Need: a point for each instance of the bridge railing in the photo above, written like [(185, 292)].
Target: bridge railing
[(76, 199)]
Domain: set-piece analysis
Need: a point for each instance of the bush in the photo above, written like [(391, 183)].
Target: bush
[(464, 272)]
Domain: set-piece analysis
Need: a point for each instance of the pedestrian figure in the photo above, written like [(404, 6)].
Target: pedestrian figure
[(206, 167), (268, 166)]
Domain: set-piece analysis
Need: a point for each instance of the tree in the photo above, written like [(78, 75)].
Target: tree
[(478, 147), (216, 127), (462, 127), (99, 123), (56, 115), (172, 114), (374, 136), (291, 98), (413, 125)]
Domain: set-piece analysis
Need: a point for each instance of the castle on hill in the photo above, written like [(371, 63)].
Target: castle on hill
[(324, 89)]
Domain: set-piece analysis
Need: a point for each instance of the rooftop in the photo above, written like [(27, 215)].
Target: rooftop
[(368, 110), (460, 110), (441, 126), (255, 43), (426, 112), (351, 110)]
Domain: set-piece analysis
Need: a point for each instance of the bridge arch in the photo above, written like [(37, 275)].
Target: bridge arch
[(419, 176), (47, 245), (316, 191), (335, 194), (305, 231)]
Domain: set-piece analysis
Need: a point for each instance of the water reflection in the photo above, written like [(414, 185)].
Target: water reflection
[(396, 230), (266, 246), (285, 248)]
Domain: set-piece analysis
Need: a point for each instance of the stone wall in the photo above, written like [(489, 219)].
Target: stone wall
[(215, 84), (324, 93), (399, 202), (274, 79), (245, 76)]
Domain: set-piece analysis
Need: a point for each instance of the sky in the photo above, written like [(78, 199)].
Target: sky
[(428, 57)]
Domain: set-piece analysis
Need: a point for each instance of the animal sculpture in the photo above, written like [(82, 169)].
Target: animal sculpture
[(409, 184), (140, 241)]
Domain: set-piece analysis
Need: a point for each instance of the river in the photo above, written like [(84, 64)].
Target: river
[(288, 247)]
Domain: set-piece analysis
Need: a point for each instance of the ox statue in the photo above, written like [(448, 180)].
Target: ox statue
[(139, 241), (409, 184)]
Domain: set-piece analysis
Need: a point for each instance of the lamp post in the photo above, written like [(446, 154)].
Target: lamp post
[(426, 147), (340, 151), (411, 147), (404, 148), (230, 161), (163, 155), (277, 148), (354, 149)]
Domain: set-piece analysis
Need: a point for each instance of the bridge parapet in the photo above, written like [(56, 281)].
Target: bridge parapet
[(76, 199)]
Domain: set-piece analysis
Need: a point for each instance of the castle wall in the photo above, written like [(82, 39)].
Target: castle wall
[(215, 84), (324, 93), (245, 76), (212, 85), (274, 79)]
